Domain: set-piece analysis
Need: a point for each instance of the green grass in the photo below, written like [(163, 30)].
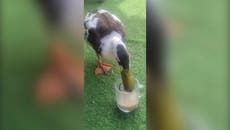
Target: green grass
[(100, 106)]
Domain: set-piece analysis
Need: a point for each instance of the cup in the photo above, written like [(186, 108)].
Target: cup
[(127, 101)]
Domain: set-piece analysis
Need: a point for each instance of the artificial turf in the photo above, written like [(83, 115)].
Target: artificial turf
[(100, 106)]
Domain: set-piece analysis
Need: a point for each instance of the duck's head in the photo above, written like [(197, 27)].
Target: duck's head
[(123, 61)]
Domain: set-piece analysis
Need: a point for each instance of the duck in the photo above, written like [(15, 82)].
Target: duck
[(106, 34)]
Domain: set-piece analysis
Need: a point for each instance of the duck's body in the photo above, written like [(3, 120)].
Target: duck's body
[(106, 33)]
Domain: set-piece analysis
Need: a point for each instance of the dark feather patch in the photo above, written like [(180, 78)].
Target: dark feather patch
[(123, 56)]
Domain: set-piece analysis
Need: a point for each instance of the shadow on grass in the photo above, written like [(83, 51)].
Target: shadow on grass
[(122, 115)]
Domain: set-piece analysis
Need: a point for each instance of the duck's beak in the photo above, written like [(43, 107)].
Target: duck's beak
[(127, 80)]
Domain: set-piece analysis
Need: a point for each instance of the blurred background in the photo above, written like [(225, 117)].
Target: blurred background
[(197, 60), (26, 54)]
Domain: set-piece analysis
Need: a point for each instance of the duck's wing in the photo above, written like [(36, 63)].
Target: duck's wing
[(99, 23), (108, 22)]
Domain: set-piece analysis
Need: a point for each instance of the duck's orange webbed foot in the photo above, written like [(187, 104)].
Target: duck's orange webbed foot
[(102, 68)]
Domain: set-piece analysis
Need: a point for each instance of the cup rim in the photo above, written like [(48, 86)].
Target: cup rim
[(119, 82)]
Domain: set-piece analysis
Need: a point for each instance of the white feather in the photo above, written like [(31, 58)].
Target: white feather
[(91, 21), (109, 45), (116, 18), (101, 11)]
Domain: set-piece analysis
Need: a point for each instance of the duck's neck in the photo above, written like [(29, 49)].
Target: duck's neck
[(127, 80), (122, 56)]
